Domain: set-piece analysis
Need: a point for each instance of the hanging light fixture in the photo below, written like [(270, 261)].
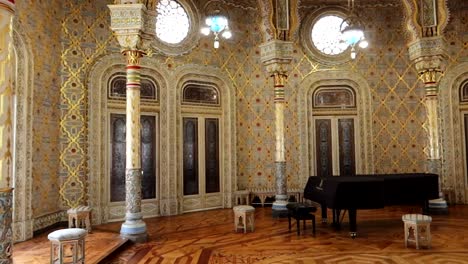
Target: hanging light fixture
[(352, 30), (219, 25)]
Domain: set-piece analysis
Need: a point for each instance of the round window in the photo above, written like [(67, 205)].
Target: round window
[(172, 22), (321, 35), (326, 35)]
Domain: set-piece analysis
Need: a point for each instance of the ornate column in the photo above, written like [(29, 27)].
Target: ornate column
[(6, 98), (429, 55), (127, 21), (426, 20), (276, 56)]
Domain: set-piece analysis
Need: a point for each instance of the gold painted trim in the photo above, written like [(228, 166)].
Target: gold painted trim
[(7, 8), (6, 190)]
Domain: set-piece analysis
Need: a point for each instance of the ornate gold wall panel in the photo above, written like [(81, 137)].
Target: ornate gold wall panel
[(398, 114), (39, 22), (85, 37)]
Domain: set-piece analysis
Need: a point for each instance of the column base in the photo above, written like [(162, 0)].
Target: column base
[(279, 209), (135, 231), (437, 206), (140, 238)]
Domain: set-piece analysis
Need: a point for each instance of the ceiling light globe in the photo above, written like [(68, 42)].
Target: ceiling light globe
[(353, 35), (227, 34), (363, 44), (205, 31)]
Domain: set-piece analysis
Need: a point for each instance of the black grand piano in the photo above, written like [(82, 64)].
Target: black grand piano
[(370, 191)]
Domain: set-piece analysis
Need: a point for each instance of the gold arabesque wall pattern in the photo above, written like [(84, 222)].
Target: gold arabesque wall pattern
[(398, 113), (39, 21)]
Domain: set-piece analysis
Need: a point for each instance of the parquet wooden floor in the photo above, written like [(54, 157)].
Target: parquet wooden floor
[(98, 246), (208, 237)]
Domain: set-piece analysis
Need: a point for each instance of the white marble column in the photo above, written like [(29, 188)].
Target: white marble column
[(281, 197), (276, 56), (133, 228), (127, 21)]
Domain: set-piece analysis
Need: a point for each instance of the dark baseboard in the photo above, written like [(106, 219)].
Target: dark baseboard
[(51, 228)]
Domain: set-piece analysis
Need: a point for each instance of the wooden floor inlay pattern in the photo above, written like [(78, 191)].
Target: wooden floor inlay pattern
[(98, 246), (209, 237)]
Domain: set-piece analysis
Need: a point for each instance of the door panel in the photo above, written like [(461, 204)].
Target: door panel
[(201, 177), (148, 157), (117, 188), (335, 146), (346, 145), (118, 161), (190, 156), (212, 155), (324, 147), (466, 141)]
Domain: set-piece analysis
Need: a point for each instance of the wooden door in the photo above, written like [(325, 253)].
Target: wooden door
[(118, 156), (335, 146), (201, 177), (323, 147), (346, 147)]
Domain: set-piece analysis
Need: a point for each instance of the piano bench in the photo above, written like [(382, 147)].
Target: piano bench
[(417, 229), (300, 211)]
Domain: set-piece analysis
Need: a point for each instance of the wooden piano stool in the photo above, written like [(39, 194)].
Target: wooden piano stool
[(301, 211)]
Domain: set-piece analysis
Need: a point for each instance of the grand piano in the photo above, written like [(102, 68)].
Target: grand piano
[(370, 191)]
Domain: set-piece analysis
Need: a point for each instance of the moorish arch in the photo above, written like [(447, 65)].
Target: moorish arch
[(98, 192), (454, 167), (335, 78), (23, 223), (216, 77)]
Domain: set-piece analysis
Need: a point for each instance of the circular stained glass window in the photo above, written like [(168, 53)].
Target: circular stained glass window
[(172, 22), (327, 37)]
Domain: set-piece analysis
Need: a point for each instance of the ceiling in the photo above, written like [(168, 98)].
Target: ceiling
[(253, 4)]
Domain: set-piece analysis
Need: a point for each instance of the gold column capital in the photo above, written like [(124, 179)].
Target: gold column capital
[(279, 78), (133, 57)]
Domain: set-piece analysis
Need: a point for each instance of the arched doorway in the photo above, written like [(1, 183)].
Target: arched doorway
[(22, 178), (454, 108), (206, 139), (335, 110)]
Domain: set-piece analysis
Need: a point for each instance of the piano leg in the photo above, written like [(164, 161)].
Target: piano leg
[(336, 218), (352, 223), (324, 213)]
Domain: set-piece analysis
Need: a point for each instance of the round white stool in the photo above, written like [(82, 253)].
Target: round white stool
[(244, 216), (417, 230), (67, 246)]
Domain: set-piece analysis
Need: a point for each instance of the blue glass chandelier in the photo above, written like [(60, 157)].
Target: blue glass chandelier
[(219, 25), (352, 30)]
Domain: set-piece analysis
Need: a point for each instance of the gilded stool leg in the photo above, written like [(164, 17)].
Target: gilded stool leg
[(252, 220), (406, 234), (244, 219), (88, 223), (416, 235), (428, 233)]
